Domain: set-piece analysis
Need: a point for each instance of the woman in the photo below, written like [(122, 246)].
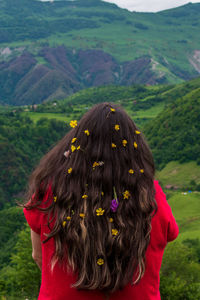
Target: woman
[(99, 221)]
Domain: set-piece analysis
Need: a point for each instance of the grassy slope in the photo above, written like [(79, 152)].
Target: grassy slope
[(138, 116), (144, 32), (35, 116), (186, 210), (180, 175)]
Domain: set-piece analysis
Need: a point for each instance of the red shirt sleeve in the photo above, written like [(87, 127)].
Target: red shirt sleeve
[(172, 226), (173, 229), (33, 219), (34, 216)]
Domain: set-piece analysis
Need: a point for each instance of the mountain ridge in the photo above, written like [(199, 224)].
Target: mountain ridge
[(129, 46)]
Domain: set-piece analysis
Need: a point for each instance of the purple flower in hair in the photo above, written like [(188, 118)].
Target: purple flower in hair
[(114, 205)]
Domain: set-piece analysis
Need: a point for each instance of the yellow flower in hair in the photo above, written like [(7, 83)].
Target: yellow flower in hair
[(95, 164), (113, 145), (87, 132), (82, 215), (68, 218), (79, 147), (131, 171), (126, 194), (69, 170), (110, 220), (114, 231), (142, 170), (135, 145), (124, 142), (55, 198), (100, 211), (84, 196), (73, 148), (64, 223), (73, 123), (112, 109), (73, 140), (137, 132), (100, 261), (117, 127)]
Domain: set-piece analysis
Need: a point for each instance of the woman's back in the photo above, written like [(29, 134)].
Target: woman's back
[(109, 221), (57, 285)]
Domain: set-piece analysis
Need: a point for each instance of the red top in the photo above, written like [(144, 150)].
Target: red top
[(56, 286)]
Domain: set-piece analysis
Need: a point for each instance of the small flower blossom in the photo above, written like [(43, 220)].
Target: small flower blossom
[(72, 212), (112, 109), (114, 205), (84, 196), (126, 194), (102, 193), (111, 220), (131, 171), (100, 261), (79, 147), (69, 170), (114, 232), (87, 132), (100, 211), (68, 218), (64, 223), (73, 140), (113, 145), (55, 198), (117, 127), (73, 148), (135, 145), (142, 170), (73, 123), (95, 164), (137, 132), (82, 215), (124, 142)]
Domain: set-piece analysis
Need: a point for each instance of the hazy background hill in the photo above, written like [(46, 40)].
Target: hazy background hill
[(49, 50)]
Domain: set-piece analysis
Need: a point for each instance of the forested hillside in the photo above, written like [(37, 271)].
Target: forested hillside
[(175, 133), (22, 144), (49, 50)]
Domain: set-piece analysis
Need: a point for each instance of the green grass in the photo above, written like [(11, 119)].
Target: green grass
[(148, 113), (186, 210), (35, 116), (6, 108), (79, 109), (180, 175)]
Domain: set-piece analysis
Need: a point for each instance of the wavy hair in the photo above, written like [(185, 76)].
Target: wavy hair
[(105, 247)]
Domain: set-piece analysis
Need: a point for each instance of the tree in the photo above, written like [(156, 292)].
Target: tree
[(180, 273), (22, 278)]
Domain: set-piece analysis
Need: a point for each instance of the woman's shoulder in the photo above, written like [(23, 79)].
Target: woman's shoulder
[(161, 199)]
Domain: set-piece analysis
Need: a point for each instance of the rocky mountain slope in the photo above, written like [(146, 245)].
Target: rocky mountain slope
[(49, 50)]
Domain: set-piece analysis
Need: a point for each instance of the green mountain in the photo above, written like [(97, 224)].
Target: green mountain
[(49, 50), (175, 133)]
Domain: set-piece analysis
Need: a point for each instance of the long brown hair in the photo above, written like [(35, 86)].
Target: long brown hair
[(104, 246)]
